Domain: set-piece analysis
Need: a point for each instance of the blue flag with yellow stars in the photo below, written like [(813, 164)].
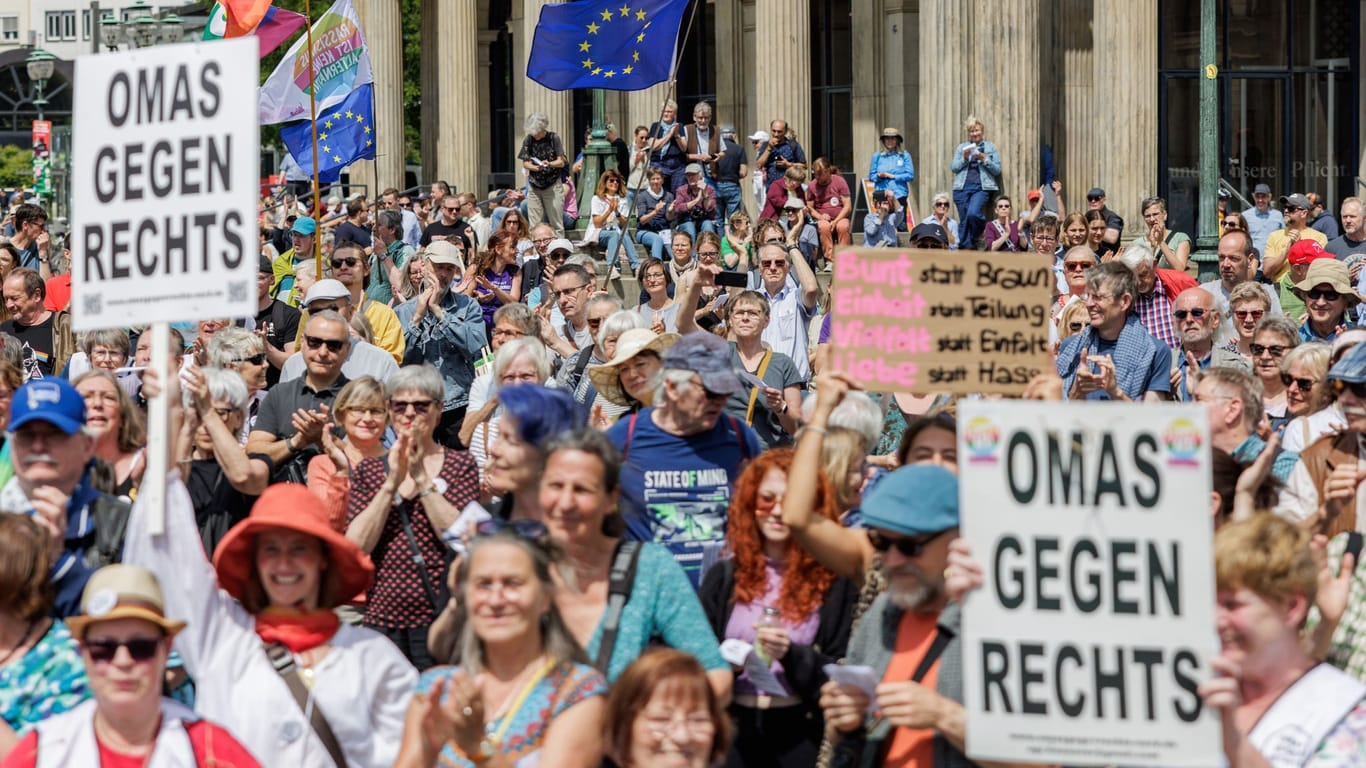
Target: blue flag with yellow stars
[(620, 45), (346, 133)]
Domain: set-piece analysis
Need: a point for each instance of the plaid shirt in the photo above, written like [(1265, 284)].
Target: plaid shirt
[(1155, 312), (1348, 649)]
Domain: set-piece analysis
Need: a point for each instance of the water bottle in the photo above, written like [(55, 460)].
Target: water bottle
[(771, 618)]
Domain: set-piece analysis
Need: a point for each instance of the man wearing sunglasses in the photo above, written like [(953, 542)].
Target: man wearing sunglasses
[(791, 298), (911, 516), (1278, 245), (351, 268), (1196, 318), (680, 458), (1328, 296), (361, 358), (50, 448), (1322, 488), (290, 422)]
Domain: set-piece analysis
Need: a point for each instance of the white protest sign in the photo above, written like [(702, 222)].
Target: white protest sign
[(1095, 623), (165, 155)]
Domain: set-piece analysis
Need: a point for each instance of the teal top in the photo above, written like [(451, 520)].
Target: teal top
[(663, 607), (47, 680)]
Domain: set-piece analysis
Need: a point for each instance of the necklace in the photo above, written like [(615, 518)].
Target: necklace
[(22, 641), (517, 693)]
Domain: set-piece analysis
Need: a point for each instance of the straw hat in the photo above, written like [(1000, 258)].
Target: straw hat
[(892, 133), (122, 592), (292, 507), (1332, 273), (607, 377)]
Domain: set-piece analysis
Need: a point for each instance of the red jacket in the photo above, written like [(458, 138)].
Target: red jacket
[(1174, 281)]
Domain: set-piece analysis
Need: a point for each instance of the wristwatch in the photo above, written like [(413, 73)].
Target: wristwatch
[(484, 753)]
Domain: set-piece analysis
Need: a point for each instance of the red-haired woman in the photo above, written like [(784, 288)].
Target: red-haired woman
[(794, 611)]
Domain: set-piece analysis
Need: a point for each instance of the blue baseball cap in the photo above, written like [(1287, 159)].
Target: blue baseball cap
[(707, 355), (53, 400), (1352, 367), (913, 501), (304, 225)]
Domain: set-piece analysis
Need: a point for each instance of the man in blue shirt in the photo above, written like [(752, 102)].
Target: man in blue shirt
[(881, 223), (1261, 218), (779, 154), (1114, 358), (680, 459)]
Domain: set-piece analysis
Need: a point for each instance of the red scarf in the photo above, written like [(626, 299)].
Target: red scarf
[(297, 630)]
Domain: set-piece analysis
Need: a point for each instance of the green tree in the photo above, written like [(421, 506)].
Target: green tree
[(16, 167)]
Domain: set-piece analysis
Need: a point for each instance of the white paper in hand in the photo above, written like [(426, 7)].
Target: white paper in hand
[(470, 517), (741, 654), (857, 676), (754, 381)]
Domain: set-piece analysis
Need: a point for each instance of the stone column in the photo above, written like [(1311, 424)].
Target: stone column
[(1005, 87), (382, 26), (732, 66), (1126, 72), (486, 39), (945, 45), (431, 94), (457, 73), (535, 97), (871, 87), (1075, 134), (783, 67)]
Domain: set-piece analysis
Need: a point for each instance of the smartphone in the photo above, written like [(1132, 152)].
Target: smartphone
[(732, 279), (1354, 547)]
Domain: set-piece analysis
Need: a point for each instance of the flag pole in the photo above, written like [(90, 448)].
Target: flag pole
[(313, 116)]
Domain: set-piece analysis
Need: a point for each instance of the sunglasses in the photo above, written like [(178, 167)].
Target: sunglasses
[(1090, 199), (1358, 387), (773, 241), (1182, 314), (325, 307), (1074, 327), (420, 407), (139, 648), (532, 530), (350, 261), (1077, 266), (1314, 294), (907, 547), (333, 345), (1258, 350), (254, 359), (1304, 384), (1244, 314), (941, 205), (765, 505), (766, 264)]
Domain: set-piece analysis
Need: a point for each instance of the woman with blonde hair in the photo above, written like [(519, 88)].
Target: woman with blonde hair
[(119, 427), (1072, 319), (610, 210), (976, 168)]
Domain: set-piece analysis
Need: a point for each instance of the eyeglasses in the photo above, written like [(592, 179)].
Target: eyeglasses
[(1258, 350), (773, 241), (1181, 314), (333, 345), (1314, 294), (259, 359), (1074, 327), (1003, 207), (773, 263), (451, 208), (1077, 266), (139, 648), (1234, 227), (107, 354), (1358, 388), (420, 407), (1045, 238), (765, 505), (558, 294), (594, 322), (654, 276), (698, 723), (526, 529), (350, 261), (941, 205), (1090, 199), (907, 547), (324, 308), (374, 413), (515, 333), (541, 240), (1245, 314), (1304, 384), (710, 254)]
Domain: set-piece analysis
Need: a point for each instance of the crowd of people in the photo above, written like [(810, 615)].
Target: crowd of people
[(446, 499)]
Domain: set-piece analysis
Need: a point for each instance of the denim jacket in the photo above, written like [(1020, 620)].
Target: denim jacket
[(450, 344), (896, 163), (990, 170)]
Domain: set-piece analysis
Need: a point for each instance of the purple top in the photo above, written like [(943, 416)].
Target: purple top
[(823, 336), (746, 615), (504, 281)]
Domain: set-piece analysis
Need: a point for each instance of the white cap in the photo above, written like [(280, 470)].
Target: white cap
[(759, 136), (560, 244), (327, 288)]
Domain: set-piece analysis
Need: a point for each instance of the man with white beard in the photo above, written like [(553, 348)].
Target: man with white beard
[(909, 636)]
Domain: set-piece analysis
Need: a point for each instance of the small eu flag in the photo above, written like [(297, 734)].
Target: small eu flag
[(620, 45), (346, 133)]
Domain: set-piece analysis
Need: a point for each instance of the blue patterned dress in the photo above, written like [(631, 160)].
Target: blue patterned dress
[(48, 680)]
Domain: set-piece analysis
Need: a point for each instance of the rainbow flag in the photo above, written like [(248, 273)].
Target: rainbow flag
[(273, 28)]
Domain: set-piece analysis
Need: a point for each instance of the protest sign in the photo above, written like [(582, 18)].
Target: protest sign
[(941, 321), (1095, 622), (164, 159)]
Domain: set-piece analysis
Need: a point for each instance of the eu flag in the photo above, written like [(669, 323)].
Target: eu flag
[(346, 133), (620, 45)]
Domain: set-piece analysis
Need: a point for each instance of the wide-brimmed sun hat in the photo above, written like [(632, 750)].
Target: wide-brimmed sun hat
[(607, 377), (122, 592)]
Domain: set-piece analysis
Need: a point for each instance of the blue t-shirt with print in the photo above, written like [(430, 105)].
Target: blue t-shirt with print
[(675, 490)]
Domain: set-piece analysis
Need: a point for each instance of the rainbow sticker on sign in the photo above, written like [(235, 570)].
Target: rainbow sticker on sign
[(982, 437), (1183, 442)]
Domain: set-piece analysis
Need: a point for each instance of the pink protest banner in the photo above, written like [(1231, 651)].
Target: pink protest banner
[(941, 321)]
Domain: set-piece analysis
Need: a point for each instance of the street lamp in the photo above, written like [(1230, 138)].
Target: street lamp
[(172, 28), (146, 30), (111, 32), (40, 64)]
